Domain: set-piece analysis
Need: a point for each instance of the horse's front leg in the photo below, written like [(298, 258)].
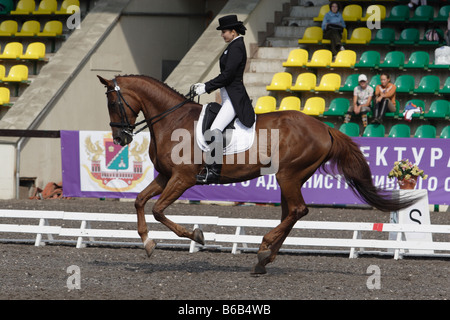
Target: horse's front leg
[(153, 189), (173, 190)]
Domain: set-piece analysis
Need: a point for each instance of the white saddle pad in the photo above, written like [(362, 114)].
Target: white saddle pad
[(241, 140)]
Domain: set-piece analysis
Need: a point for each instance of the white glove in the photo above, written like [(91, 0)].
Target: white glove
[(199, 88)]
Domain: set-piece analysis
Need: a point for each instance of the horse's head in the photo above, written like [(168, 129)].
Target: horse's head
[(122, 111)]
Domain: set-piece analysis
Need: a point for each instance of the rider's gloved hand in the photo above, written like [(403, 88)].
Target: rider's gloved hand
[(199, 88)]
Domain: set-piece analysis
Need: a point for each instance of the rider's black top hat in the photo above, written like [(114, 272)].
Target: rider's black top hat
[(231, 22)]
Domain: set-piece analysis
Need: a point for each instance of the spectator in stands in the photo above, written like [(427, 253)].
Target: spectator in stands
[(384, 98), (235, 100), (413, 4), (447, 31), (333, 25), (362, 98)]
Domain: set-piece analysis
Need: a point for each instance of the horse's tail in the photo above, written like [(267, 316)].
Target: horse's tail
[(348, 159)]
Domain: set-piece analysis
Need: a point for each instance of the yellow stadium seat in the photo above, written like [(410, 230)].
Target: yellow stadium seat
[(352, 12), (320, 58), (375, 9), (17, 73), (29, 28), (314, 106), (360, 35), (4, 96), (51, 29), (2, 71), (296, 58), (12, 50), (305, 82), (24, 7), (312, 35), (290, 103), (46, 7), (68, 7), (329, 82), (280, 81), (265, 104), (35, 51), (8, 28), (344, 59), (323, 11)]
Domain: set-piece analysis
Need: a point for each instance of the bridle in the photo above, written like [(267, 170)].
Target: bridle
[(125, 124)]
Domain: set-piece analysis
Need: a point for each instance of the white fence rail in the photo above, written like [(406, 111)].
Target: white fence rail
[(77, 227)]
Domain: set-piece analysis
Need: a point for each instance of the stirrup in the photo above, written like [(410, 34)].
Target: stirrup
[(210, 176)]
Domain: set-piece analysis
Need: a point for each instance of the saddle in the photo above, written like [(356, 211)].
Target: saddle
[(211, 111)]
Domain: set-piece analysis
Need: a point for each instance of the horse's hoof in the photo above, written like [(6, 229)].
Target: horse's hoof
[(149, 246), (198, 236), (263, 257), (258, 269)]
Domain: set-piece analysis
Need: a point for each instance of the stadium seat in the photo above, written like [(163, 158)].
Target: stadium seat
[(417, 102), (305, 82), (446, 88), (419, 60), (24, 7), (4, 96), (439, 109), (373, 9), (65, 7), (351, 129), (312, 35), (338, 107), (34, 51), (2, 71), (350, 83), (396, 113), (434, 66), (374, 130), (445, 133), (352, 12), (322, 12), (7, 5), (399, 13), (296, 58), (409, 36), (369, 59), (405, 83), (281, 81), (29, 28), (329, 82), (425, 42), (8, 28), (320, 58), (290, 103), (344, 59), (428, 84), (393, 59), (400, 130), (385, 36), (265, 104), (51, 29), (425, 131), (442, 14), (329, 124), (374, 81), (17, 73), (46, 7), (360, 35), (314, 106), (12, 50), (423, 13)]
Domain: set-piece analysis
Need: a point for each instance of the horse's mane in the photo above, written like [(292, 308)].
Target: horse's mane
[(153, 80)]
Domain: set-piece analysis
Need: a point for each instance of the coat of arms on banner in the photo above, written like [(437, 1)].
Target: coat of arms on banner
[(110, 167)]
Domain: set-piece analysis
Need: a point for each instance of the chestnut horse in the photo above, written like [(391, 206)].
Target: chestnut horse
[(304, 145)]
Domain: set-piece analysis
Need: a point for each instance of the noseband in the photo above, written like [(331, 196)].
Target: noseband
[(125, 124)]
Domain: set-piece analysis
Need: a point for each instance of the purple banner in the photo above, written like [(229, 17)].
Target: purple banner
[(431, 155)]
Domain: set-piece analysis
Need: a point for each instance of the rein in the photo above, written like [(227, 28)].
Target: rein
[(125, 124)]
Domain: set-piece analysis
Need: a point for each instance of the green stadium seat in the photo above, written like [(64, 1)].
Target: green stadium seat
[(423, 13), (329, 124), (419, 103), (425, 42), (393, 59), (419, 60), (405, 83), (409, 36), (445, 133), (374, 8), (443, 14), (425, 131), (446, 88), (384, 36), (398, 13), (338, 107), (428, 84), (439, 109), (374, 130), (351, 129), (369, 59), (400, 130), (8, 6), (374, 81), (350, 83)]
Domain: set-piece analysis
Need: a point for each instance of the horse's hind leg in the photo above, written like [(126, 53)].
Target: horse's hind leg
[(153, 189), (295, 207)]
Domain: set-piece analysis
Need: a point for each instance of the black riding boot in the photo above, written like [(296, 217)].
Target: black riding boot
[(211, 172), (383, 108)]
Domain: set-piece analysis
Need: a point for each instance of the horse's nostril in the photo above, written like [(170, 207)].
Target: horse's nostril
[(117, 140)]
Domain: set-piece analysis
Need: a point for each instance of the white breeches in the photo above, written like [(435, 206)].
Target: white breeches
[(226, 113)]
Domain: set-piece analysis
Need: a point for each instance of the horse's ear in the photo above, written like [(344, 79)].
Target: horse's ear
[(104, 81)]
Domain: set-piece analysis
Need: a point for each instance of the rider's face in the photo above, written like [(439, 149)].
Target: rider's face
[(228, 35)]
